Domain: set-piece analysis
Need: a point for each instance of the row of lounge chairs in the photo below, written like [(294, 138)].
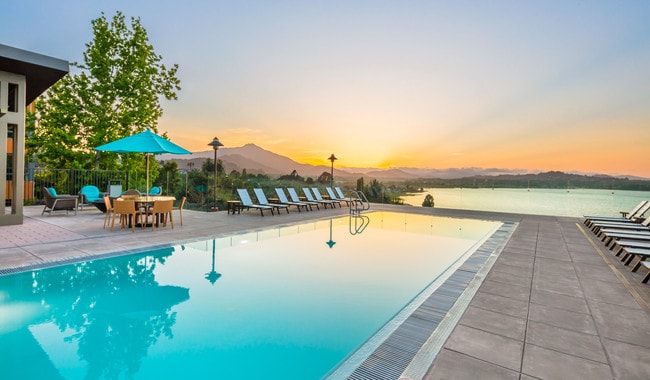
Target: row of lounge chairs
[(312, 198), (628, 236)]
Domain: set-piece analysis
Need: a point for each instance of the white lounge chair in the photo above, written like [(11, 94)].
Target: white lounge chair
[(247, 202), (283, 199), (261, 199)]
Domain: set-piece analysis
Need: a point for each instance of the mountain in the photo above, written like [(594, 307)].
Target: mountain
[(258, 160), (255, 160)]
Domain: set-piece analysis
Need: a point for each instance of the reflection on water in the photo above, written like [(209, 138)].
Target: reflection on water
[(213, 275), (111, 310), (285, 299), (577, 202), (358, 223)]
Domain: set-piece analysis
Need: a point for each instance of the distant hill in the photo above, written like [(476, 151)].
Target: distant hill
[(258, 160), (548, 180)]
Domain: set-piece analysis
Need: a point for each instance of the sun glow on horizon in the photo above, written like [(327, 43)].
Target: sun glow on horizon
[(552, 86)]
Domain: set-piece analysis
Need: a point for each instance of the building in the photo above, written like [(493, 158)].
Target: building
[(24, 75)]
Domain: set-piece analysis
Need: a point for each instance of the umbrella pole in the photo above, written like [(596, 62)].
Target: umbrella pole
[(147, 188)]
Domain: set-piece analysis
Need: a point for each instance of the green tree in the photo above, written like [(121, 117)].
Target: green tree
[(116, 92), (428, 201), (324, 178)]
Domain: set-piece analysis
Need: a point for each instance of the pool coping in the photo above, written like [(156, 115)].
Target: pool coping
[(407, 345)]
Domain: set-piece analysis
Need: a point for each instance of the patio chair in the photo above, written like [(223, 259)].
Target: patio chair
[(89, 194), (261, 199), (319, 198), (247, 202), (58, 202), (295, 198), (128, 213), (160, 213), (332, 195), (283, 199), (109, 209), (180, 208), (132, 192)]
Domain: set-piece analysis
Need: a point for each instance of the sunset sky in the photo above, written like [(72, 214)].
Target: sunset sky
[(530, 85)]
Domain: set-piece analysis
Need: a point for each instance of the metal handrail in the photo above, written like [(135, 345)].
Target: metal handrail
[(358, 202)]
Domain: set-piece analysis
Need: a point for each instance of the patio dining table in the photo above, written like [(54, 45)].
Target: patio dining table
[(147, 201)]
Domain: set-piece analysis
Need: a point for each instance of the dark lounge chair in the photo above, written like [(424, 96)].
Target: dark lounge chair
[(58, 202)]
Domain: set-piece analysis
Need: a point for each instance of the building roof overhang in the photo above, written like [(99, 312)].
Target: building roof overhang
[(40, 71)]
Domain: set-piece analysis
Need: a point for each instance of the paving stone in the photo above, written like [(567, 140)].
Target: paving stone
[(621, 323), (548, 364), (505, 305), (562, 318), (628, 361), (570, 342), (454, 365), (481, 345), (494, 322), (505, 290), (559, 301), (614, 293)]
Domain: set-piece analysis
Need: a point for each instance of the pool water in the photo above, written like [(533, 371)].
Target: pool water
[(289, 302)]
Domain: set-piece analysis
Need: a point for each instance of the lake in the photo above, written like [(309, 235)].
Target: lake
[(561, 202)]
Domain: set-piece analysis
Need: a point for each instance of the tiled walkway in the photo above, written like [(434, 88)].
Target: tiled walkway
[(556, 304)]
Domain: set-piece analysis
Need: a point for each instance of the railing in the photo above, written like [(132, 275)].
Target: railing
[(358, 202), (70, 181)]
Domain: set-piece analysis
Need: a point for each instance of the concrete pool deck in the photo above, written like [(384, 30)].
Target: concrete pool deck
[(556, 303)]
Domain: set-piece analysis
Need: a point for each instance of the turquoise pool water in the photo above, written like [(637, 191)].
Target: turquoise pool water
[(282, 303)]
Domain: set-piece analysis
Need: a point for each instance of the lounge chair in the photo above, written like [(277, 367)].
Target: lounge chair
[(247, 202), (630, 253), (320, 198), (646, 264), (333, 196), (611, 238), (606, 228), (156, 190), (295, 198), (311, 198), (261, 199), (58, 202), (634, 214), (283, 199)]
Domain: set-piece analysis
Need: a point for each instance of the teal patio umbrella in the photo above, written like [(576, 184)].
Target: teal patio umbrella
[(145, 142)]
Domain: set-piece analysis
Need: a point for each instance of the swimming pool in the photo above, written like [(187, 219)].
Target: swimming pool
[(288, 302)]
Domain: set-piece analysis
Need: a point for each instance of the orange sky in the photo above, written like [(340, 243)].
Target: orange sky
[(532, 85)]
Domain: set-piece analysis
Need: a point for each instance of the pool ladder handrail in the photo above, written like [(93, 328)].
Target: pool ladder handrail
[(358, 202), (358, 223)]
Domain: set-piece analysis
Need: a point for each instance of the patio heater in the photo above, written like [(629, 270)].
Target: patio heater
[(215, 144), (332, 158)]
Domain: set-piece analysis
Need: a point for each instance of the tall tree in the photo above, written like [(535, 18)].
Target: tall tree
[(116, 92)]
